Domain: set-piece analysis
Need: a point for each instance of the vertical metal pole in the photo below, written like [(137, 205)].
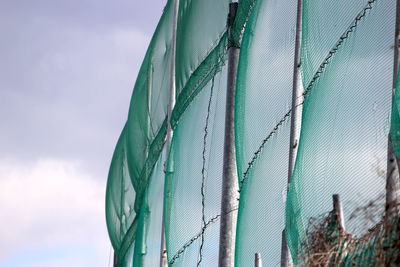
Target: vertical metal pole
[(257, 260), (115, 263), (171, 104), (286, 259), (146, 209), (149, 98), (338, 209), (392, 183), (396, 46), (229, 179)]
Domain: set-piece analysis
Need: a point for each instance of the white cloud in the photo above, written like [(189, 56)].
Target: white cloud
[(52, 204)]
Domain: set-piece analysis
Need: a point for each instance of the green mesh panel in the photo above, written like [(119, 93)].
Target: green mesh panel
[(343, 144), (140, 143), (345, 122), (193, 183), (201, 24), (395, 122), (263, 98), (201, 52), (194, 179), (148, 235), (145, 129), (323, 24), (120, 198)]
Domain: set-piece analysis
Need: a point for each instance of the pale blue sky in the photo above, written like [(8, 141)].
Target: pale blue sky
[(67, 70)]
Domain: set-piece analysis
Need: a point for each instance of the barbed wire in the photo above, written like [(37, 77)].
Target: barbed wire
[(337, 45), (191, 241), (203, 172)]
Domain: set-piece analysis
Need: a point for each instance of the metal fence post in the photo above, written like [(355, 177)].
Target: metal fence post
[(171, 104), (115, 262), (257, 260), (286, 259), (338, 209), (230, 178)]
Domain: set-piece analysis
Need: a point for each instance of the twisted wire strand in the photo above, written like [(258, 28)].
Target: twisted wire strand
[(191, 241), (203, 172), (338, 44)]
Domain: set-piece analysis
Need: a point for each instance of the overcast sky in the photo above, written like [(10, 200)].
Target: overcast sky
[(67, 69)]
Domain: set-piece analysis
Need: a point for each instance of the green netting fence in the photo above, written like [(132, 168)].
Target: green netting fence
[(347, 115), (263, 98), (347, 61), (193, 186), (132, 216)]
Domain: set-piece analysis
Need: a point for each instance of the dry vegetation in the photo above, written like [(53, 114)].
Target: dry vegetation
[(329, 245)]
